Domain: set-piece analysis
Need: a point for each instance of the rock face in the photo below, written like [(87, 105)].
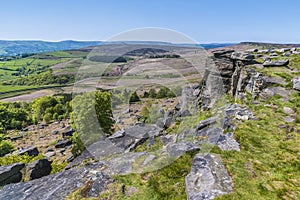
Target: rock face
[(278, 63), (225, 74), (208, 178), (11, 173), (38, 169)]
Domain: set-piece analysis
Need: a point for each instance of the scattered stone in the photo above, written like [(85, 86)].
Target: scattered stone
[(11, 173), (15, 138), (31, 151), (208, 178), (294, 49), (38, 169), (288, 119), (207, 122), (130, 191), (284, 50), (196, 92), (226, 142), (252, 50), (63, 143), (288, 110), (118, 134), (272, 91), (273, 55), (278, 63), (49, 154), (296, 83), (55, 132), (62, 125), (68, 133), (264, 51), (242, 56), (178, 106)]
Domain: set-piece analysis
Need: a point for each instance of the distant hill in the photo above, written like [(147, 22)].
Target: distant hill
[(12, 48), (269, 45)]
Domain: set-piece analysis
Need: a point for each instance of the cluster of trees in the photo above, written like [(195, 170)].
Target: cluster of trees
[(45, 78), (163, 92), (49, 108), (17, 115), (165, 56)]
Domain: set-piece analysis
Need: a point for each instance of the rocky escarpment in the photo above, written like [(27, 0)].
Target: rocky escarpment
[(227, 74), (116, 154)]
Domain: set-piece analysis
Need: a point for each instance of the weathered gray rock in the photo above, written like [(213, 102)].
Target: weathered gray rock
[(278, 63), (208, 178), (272, 91), (68, 133), (288, 119), (242, 56), (284, 50), (270, 80), (50, 154), (11, 173), (38, 169), (226, 142), (117, 134), (288, 110), (31, 151), (296, 83), (63, 143), (207, 122), (56, 186)]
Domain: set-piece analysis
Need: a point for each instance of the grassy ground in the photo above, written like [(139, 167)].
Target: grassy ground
[(12, 91), (268, 166)]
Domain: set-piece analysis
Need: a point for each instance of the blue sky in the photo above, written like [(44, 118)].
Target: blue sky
[(204, 20)]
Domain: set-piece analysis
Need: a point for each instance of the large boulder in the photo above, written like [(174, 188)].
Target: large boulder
[(11, 173), (38, 169), (278, 63), (208, 178)]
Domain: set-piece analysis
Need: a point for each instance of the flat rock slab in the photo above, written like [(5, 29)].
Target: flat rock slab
[(57, 186), (208, 178)]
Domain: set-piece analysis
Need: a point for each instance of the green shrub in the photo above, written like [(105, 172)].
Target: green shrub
[(5, 147), (7, 160), (134, 98)]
